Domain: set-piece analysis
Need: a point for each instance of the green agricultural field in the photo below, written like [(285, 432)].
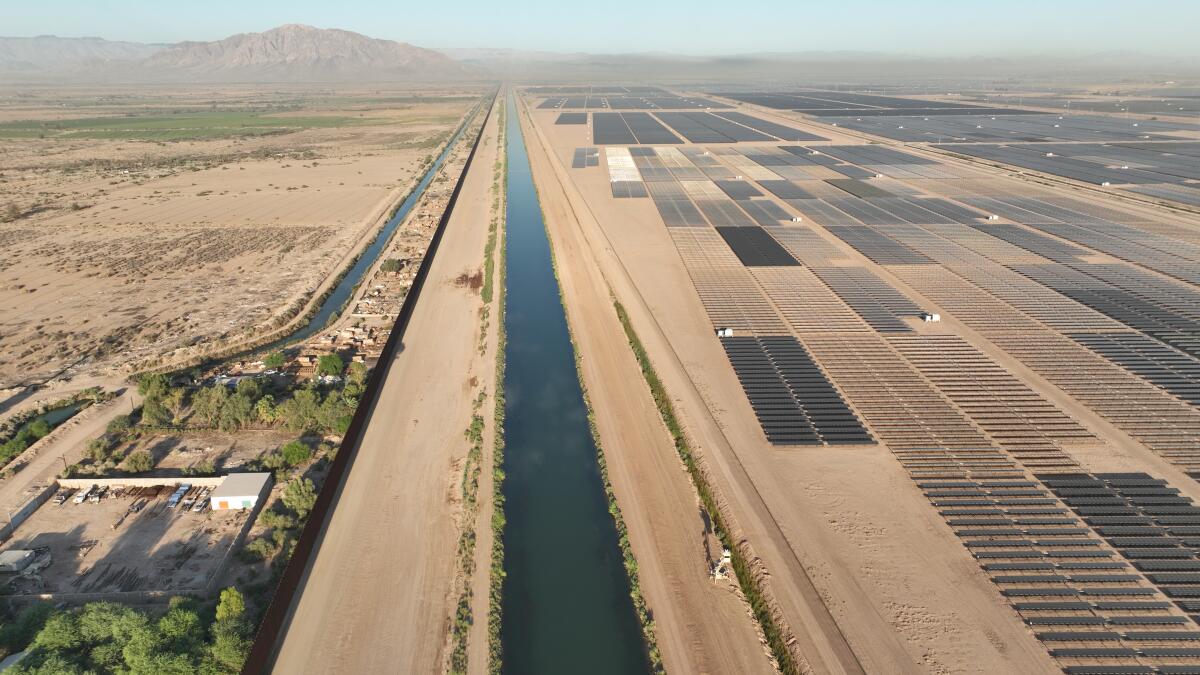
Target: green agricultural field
[(189, 126)]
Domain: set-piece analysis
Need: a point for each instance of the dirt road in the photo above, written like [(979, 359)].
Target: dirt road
[(62, 447), (380, 591)]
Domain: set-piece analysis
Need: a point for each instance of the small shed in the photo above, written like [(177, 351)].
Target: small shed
[(240, 491)]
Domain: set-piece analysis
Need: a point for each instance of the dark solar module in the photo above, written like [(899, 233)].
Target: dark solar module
[(764, 212), (610, 129), (738, 189), (1097, 653), (858, 188), (708, 125), (878, 246), (571, 118), (1108, 670), (648, 130), (785, 189), (852, 171), (1088, 636), (792, 399), (755, 248), (783, 133)]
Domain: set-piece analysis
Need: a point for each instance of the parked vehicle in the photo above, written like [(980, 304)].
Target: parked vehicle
[(82, 495)]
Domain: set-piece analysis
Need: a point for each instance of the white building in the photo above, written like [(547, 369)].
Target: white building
[(240, 491)]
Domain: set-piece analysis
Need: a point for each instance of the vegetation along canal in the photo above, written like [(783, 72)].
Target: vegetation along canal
[(334, 302), (566, 604)]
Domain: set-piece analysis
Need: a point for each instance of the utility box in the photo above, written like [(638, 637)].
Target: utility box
[(930, 317), (724, 332)]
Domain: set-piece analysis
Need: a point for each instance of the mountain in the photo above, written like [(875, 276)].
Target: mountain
[(291, 53), (48, 53), (295, 52)]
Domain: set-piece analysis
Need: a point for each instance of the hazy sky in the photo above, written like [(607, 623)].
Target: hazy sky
[(958, 27)]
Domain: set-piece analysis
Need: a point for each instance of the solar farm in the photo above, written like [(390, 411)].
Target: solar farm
[(989, 312)]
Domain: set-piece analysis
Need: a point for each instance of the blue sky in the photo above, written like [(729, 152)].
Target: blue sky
[(919, 27)]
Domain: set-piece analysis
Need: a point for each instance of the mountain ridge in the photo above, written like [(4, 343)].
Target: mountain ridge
[(291, 53)]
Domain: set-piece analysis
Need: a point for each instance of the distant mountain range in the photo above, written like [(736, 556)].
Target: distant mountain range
[(290, 53), (296, 53)]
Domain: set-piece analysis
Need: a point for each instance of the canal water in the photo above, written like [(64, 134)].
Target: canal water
[(334, 302), (566, 596)]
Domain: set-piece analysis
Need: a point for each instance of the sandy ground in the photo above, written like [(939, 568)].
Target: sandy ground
[(131, 249), (380, 591), (847, 539), (702, 625)]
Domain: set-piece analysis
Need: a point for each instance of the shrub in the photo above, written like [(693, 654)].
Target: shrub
[(295, 453), (139, 462)]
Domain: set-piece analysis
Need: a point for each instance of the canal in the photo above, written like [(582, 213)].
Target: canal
[(336, 300), (566, 604)]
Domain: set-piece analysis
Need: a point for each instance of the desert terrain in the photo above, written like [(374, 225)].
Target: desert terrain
[(142, 222)]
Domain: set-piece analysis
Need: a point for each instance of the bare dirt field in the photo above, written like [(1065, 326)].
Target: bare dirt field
[(141, 222), (398, 514)]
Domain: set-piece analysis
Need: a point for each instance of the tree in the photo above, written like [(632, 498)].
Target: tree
[(155, 414), (295, 453), (139, 462), (335, 414), (264, 410), (61, 633), (174, 401), (330, 364), (299, 412), (153, 385), (208, 402), (231, 606), (16, 634), (250, 388), (300, 496), (237, 412), (274, 360), (392, 265), (11, 212)]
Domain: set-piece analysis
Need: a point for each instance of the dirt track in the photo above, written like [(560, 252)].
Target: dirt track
[(380, 592)]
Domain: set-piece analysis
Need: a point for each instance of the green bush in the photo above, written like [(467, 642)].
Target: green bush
[(295, 453), (139, 462)]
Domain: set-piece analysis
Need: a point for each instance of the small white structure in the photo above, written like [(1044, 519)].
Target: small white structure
[(15, 560), (993, 217), (240, 491), (930, 317), (724, 332), (796, 219)]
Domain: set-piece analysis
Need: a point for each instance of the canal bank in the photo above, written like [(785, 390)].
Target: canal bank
[(566, 597)]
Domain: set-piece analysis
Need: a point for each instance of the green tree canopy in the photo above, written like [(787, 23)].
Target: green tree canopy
[(300, 496), (330, 364), (274, 360)]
